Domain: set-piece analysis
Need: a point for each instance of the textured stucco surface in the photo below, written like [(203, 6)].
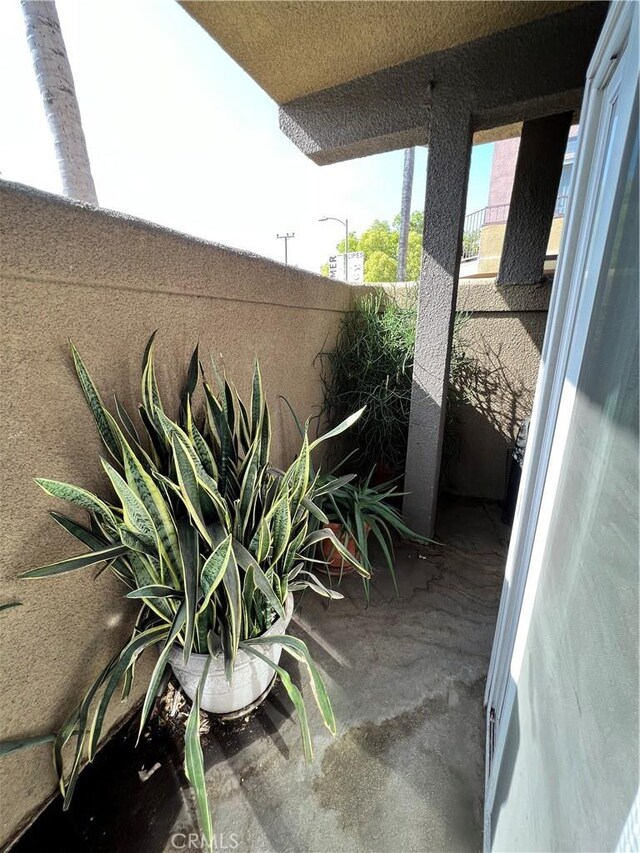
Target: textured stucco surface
[(447, 176), (283, 46), (503, 335), (526, 72), (535, 189), (492, 239), (107, 281)]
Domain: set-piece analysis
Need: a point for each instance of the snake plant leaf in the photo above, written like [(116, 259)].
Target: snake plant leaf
[(233, 589), (257, 400), (333, 485), (310, 581), (200, 446), (150, 392), (161, 664), (298, 649), (219, 426), (79, 497), (280, 527), (246, 561), (291, 554), (188, 480), (263, 541), (161, 516), (127, 656), (190, 559), (79, 531), (135, 513), (194, 761), (81, 730), (190, 383), (248, 492), (292, 691), (326, 533), (133, 541), (337, 430), (155, 591), (214, 570), (158, 449), (314, 509), (96, 405), (127, 424), (80, 562), (8, 746), (243, 436), (265, 438)]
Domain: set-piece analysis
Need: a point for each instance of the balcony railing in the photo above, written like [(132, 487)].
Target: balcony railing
[(494, 215)]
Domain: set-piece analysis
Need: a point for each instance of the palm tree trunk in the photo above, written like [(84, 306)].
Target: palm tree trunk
[(405, 212), (55, 80)]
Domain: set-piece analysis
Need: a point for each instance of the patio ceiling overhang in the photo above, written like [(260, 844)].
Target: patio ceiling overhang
[(356, 78)]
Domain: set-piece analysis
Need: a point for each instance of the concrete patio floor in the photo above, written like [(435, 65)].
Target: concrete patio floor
[(405, 770), (406, 678)]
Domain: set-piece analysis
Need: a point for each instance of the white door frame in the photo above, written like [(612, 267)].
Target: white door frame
[(596, 175)]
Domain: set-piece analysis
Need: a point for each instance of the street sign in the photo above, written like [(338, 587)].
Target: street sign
[(355, 267)]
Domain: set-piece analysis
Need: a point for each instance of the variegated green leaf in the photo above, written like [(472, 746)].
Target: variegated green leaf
[(128, 655), (7, 746), (214, 570), (159, 668), (294, 694), (74, 563), (194, 762), (95, 404), (280, 527), (246, 561), (79, 497), (80, 532), (298, 649), (135, 513), (190, 557), (345, 425), (188, 480), (155, 591)]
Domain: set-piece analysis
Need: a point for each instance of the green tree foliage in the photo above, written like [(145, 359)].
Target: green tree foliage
[(380, 246)]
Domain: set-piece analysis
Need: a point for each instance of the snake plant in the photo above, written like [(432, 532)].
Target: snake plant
[(208, 537)]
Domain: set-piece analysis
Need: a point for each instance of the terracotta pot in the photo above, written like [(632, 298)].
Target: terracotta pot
[(335, 562), (382, 473)]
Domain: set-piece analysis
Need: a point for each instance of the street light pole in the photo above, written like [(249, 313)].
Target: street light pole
[(344, 222), (286, 238)]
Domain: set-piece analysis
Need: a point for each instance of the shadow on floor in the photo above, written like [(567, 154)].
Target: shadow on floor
[(405, 770)]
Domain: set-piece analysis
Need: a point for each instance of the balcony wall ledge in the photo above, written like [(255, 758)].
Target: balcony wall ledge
[(64, 236)]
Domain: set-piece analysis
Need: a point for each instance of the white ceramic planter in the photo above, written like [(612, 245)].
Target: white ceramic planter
[(251, 676)]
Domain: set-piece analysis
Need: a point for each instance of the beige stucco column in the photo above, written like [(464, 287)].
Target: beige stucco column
[(447, 176)]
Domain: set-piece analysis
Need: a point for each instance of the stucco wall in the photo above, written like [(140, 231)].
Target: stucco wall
[(107, 282), (503, 336), (492, 238)]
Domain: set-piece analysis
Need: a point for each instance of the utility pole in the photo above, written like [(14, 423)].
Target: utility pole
[(286, 238)]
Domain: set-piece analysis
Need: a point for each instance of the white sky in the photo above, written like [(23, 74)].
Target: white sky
[(178, 134)]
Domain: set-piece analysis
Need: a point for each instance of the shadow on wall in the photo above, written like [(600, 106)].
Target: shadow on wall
[(492, 395)]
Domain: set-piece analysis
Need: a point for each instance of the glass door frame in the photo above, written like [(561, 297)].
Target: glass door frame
[(611, 85)]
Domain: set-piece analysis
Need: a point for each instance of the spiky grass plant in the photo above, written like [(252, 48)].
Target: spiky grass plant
[(208, 537), (362, 509), (371, 365)]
